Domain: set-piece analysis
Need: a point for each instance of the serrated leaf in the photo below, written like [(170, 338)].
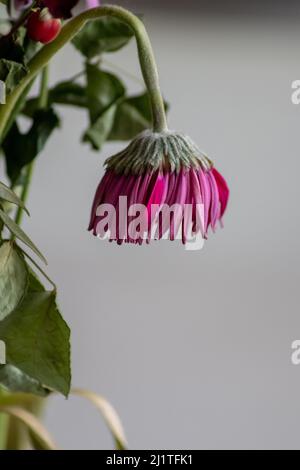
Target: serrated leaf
[(14, 380), (8, 195), (11, 73), (13, 278), (102, 35), (37, 341), (20, 234), (21, 149)]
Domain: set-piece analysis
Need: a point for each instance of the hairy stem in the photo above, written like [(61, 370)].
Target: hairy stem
[(146, 57)]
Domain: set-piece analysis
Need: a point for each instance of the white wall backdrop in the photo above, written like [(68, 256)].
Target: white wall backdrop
[(192, 348)]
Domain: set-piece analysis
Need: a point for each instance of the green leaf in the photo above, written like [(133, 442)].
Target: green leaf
[(35, 284), (14, 380), (132, 117), (102, 35), (11, 73), (8, 195), (66, 93), (20, 234), (21, 149), (37, 341), (13, 278), (30, 47), (70, 93), (17, 108), (98, 132), (104, 91)]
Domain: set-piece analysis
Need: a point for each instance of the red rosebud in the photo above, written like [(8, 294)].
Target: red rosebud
[(42, 27)]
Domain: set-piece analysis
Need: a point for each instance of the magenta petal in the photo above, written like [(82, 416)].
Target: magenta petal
[(215, 202), (196, 188), (223, 190), (206, 196), (98, 196)]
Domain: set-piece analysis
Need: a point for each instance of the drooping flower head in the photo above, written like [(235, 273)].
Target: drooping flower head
[(160, 186)]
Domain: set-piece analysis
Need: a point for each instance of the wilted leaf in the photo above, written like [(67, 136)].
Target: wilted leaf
[(37, 341), (8, 195), (33, 424), (109, 414), (102, 35), (15, 380), (13, 278), (20, 234), (11, 73)]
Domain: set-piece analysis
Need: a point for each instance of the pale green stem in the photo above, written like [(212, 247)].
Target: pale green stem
[(4, 419), (25, 191), (43, 102), (146, 57), (43, 96)]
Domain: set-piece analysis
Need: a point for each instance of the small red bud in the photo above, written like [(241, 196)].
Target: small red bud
[(42, 27)]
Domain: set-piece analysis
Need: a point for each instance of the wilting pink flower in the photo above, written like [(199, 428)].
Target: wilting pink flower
[(151, 173)]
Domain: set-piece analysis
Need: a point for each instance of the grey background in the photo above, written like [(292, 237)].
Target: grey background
[(192, 348)]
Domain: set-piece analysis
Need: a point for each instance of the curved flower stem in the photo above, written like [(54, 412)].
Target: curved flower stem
[(146, 57)]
